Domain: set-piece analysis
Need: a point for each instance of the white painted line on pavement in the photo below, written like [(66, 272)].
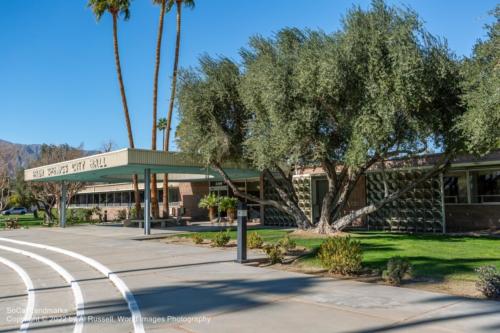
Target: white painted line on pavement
[(29, 288), (119, 284), (75, 287)]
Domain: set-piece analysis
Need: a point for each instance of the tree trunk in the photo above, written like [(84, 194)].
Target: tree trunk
[(344, 221), (289, 206), (171, 103), (327, 207), (125, 107), (155, 210), (48, 217)]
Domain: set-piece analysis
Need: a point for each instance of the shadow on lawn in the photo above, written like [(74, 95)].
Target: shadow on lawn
[(420, 236), (437, 268)]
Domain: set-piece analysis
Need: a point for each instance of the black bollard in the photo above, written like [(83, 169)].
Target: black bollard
[(242, 214)]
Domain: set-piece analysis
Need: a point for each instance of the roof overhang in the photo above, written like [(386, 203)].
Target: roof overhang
[(120, 165)]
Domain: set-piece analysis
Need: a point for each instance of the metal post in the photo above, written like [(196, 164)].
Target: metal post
[(443, 211), (62, 208), (242, 232), (147, 202)]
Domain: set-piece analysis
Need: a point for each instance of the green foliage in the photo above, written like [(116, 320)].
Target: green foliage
[(397, 269), (274, 252), (212, 115), (15, 200), (84, 214), (342, 255), (481, 72), (254, 240), (380, 87), (221, 239), (210, 200), (171, 3), (75, 215), (133, 212), (226, 203), (287, 243), (488, 281), (197, 238), (379, 83), (115, 7)]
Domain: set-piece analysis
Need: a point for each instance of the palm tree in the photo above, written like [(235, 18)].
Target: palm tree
[(117, 8), (154, 192), (162, 126), (178, 3)]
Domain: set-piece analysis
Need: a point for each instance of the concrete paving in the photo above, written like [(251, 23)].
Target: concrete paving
[(182, 288)]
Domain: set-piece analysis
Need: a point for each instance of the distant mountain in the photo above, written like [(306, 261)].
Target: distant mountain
[(15, 156)]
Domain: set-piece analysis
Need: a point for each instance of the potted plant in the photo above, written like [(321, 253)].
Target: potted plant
[(228, 205), (210, 202)]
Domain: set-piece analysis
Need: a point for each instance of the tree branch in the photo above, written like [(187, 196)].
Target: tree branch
[(347, 219)]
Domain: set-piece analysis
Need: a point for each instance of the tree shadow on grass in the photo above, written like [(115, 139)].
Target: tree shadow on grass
[(418, 236), (437, 268)]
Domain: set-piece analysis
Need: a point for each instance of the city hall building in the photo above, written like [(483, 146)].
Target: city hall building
[(466, 197)]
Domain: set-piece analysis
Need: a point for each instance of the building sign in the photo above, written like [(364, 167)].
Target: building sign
[(85, 164)]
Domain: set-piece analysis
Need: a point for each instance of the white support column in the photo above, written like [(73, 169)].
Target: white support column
[(147, 201), (62, 208)]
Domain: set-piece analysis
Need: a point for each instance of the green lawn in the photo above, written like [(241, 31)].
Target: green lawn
[(432, 256), (27, 220)]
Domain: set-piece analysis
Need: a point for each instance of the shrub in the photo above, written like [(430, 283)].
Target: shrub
[(97, 212), (133, 213), (84, 214), (287, 243), (221, 238), (341, 255), (254, 240), (197, 239), (397, 269), (488, 281), (210, 200), (121, 214), (71, 216), (274, 253), (226, 203)]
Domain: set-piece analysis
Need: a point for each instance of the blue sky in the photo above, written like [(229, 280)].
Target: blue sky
[(57, 76)]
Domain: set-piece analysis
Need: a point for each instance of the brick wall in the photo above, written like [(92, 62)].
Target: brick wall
[(191, 193)]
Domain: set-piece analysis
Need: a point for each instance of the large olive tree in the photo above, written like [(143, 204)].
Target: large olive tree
[(378, 89), (481, 72)]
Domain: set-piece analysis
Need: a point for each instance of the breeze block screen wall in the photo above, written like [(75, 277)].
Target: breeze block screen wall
[(418, 210), (273, 216)]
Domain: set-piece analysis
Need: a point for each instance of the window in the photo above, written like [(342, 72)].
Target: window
[(485, 186), (173, 194), (126, 198), (455, 187)]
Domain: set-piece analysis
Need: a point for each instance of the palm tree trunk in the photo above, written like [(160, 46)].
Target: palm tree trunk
[(154, 190), (125, 110), (171, 105)]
